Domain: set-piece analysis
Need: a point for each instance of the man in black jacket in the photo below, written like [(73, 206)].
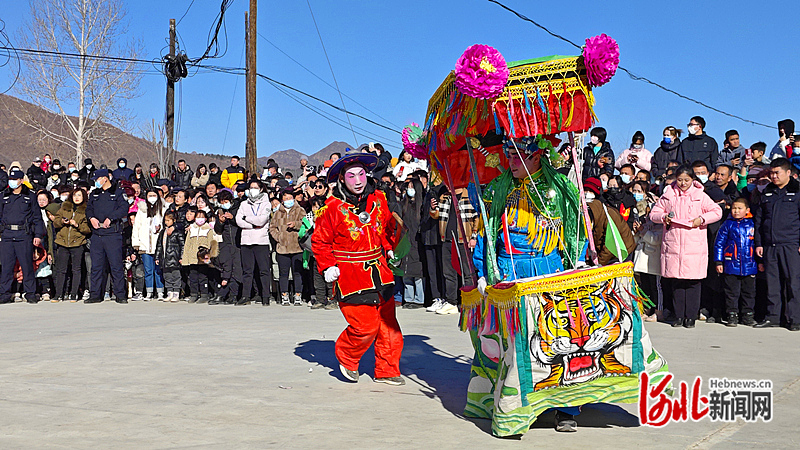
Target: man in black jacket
[(183, 176), (230, 256), (36, 175), (87, 172), (597, 155), (698, 145), (777, 241)]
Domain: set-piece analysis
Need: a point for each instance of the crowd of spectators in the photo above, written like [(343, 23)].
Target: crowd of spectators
[(696, 220)]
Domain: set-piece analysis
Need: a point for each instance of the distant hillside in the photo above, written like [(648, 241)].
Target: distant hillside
[(290, 159), (19, 142)]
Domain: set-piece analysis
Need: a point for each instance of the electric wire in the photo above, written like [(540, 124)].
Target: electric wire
[(233, 99), (184, 14), (630, 74), (308, 2), (326, 82)]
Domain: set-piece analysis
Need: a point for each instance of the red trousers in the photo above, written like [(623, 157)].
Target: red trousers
[(368, 324)]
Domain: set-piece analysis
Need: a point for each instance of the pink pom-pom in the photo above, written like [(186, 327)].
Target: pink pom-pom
[(601, 58), (411, 135), (481, 72)]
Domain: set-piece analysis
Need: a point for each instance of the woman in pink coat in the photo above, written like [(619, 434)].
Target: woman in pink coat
[(686, 211)]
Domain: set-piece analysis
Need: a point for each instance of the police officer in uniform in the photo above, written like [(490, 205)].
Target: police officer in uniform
[(22, 228), (107, 209)]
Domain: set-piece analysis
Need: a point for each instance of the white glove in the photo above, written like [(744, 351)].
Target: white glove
[(331, 274), (390, 255), (482, 286)]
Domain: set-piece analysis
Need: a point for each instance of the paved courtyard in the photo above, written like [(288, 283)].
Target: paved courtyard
[(154, 375)]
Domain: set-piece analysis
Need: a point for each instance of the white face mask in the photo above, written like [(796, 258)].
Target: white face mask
[(625, 178), (703, 178), (638, 146), (152, 200), (121, 165), (411, 192), (589, 196), (254, 192), (594, 140), (64, 198), (54, 194), (693, 129), (13, 184)]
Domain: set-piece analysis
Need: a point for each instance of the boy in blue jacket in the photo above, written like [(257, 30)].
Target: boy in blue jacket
[(734, 253)]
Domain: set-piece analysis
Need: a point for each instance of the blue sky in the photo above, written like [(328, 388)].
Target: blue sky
[(392, 55)]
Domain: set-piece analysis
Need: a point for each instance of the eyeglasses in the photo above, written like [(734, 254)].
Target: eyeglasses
[(690, 124), (318, 186)]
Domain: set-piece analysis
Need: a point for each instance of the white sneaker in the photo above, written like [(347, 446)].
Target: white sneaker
[(437, 305), (448, 308)]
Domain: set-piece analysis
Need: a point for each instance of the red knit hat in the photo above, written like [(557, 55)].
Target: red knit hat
[(594, 185)]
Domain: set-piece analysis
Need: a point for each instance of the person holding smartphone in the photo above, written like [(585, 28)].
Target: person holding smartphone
[(732, 152)]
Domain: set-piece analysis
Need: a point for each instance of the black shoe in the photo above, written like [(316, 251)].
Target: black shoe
[(711, 319), (93, 300), (215, 301), (203, 299), (747, 319), (32, 300), (265, 302), (565, 422), (6, 301), (794, 327), (677, 323), (412, 306), (688, 323), (242, 301), (122, 300), (733, 319), (766, 323), (192, 299)]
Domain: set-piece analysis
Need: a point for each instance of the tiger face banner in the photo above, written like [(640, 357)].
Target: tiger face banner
[(556, 341)]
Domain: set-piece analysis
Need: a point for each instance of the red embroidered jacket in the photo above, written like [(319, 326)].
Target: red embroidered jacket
[(356, 243)]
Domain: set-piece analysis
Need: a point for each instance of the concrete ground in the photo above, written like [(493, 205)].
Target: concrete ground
[(154, 375)]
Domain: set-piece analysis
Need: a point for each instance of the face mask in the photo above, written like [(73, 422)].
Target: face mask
[(152, 200), (288, 203), (290, 180), (64, 198), (638, 146), (595, 140), (130, 200), (54, 194), (761, 187), (75, 178), (703, 178), (589, 196), (604, 184), (638, 196), (206, 209), (89, 166), (56, 167), (121, 165), (47, 160), (693, 129), (276, 208), (625, 178), (226, 206), (71, 169), (13, 184), (668, 139), (253, 192), (411, 192), (200, 221), (751, 187)]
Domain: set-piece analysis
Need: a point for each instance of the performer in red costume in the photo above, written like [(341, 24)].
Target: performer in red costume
[(353, 240)]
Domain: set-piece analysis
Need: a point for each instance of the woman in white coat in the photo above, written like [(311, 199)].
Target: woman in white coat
[(146, 227)]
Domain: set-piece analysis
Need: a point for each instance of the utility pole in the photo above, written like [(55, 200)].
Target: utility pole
[(251, 34), (169, 161)]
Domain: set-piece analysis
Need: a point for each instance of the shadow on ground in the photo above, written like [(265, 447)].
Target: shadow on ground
[(445, 377)]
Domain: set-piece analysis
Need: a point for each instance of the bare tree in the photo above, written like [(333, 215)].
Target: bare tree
[(87, 91), (156, 134)]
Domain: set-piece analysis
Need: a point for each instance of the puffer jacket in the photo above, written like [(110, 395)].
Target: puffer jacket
[(68, 235), (196, 237), (253, 218), (183, 179), (591, 161), (684, 250), (146, 229), (200, 180), (169, 249), (734, 247), (288, 241), (663, 155)]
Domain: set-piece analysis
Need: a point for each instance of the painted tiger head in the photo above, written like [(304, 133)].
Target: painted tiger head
[(578, 333)]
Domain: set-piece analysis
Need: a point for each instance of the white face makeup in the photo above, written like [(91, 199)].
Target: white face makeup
[(355, 179)]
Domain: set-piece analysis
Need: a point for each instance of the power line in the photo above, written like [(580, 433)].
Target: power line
[(187, 12), (630, 74), (324, 81), (308, 2)]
